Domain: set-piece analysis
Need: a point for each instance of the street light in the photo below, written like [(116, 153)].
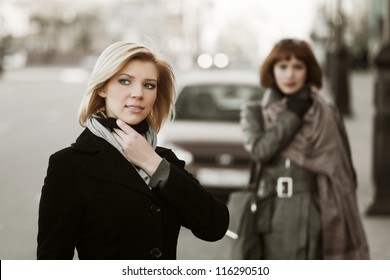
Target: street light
[(381, 140), (338, 66), (205, 61), (221, 60)]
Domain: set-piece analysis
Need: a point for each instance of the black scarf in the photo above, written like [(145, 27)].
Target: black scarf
[(110, 123)]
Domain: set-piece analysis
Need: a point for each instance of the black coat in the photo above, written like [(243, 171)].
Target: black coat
[(94, 200)]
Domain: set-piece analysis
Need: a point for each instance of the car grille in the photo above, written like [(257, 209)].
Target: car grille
[(217, 154)]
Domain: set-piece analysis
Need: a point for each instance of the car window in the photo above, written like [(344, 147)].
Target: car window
[(214, 102)]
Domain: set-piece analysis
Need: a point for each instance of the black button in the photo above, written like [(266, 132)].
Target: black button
[(155, 208), (156, 253)]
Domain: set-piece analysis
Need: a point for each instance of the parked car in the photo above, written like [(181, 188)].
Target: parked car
[(206, 132)]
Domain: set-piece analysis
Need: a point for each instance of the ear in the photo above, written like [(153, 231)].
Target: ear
[(102, 93)]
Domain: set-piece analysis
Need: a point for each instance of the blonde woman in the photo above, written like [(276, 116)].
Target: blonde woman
[(113, 194)]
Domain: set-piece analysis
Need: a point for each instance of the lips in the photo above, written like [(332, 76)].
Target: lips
[(134, 108)]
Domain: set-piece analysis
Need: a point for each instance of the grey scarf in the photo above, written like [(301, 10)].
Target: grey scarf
[(101, 131)]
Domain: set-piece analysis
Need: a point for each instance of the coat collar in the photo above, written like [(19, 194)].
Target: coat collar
[(107, 163), (271, 95)]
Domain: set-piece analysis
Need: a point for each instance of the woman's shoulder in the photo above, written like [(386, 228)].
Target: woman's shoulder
[(251, 109), (85, 143), (324, 96), (268, 97), (63, 158), (252, 104)]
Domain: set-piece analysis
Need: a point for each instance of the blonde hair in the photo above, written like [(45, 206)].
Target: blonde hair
[(114, 58)]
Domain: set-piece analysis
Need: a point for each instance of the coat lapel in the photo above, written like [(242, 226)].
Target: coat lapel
[(108, 164)]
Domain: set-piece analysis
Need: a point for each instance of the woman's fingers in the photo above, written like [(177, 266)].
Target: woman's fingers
[(136, 147), (125, 127)]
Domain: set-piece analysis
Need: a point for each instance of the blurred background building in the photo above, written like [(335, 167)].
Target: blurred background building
[(236, 33)]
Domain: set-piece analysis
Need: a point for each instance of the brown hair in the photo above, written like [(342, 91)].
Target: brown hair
[(284, 50)]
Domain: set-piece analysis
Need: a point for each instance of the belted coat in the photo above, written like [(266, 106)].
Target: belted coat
[(320, 220), (93, 200), (289, 226)]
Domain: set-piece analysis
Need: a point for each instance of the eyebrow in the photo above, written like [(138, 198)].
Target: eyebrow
[(153, 80)]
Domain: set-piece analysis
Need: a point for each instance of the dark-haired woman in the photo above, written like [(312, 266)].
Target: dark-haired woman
[(308, 188)]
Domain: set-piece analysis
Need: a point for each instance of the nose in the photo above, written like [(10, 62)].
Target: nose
[(289, 73), (137, 91)]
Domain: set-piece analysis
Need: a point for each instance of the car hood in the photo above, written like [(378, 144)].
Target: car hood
[(200, 131)]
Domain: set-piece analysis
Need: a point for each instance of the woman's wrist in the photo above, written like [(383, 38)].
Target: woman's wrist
[(152, 165)]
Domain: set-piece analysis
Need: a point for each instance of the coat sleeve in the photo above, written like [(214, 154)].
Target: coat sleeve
[(59, 215), (201, 212), (263, 144)]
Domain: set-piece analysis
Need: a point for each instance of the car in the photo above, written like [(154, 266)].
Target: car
[(206, 132)]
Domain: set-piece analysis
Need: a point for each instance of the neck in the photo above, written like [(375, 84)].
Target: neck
[(110, 123), (305, 90)]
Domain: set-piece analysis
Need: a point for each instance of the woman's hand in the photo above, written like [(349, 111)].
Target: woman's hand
[(136, 148), (299, 103)]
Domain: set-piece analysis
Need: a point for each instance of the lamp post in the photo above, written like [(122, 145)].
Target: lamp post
[(338, 64), (381, 140), (2, 54)]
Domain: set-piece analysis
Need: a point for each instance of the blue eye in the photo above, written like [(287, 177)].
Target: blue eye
[(124, 82), (150, 86)]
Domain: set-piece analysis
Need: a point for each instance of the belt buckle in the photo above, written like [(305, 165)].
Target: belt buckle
[(284, 187)]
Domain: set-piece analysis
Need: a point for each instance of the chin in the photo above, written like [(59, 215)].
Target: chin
[(291, 91), (132, 121)]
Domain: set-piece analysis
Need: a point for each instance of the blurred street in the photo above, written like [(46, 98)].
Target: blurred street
[(38, 108)]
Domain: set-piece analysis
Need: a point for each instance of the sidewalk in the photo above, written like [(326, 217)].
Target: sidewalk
[(360, 131)]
